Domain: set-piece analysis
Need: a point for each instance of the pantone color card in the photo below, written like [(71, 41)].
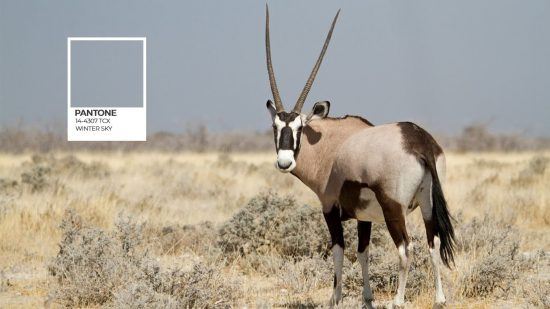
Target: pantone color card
[(106, 89)]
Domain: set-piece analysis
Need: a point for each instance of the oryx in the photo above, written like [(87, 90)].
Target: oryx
[(365, 172)]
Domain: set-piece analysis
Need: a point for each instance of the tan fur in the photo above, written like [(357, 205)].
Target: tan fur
[(335, 150), (320, 141)]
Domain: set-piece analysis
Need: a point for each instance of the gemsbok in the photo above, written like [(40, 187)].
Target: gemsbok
[(365, 172)]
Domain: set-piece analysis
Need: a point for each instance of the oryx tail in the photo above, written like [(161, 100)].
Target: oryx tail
[(443, 225)]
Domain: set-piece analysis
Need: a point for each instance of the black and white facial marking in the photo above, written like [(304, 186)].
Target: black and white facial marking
[(287, 132)]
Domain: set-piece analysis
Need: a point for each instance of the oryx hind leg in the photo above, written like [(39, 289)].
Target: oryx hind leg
[(424, 198), (395, 221)]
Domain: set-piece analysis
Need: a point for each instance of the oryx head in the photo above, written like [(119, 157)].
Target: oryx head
[(287, 126)]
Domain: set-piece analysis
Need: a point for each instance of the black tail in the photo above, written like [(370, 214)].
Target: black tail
[(440, 213)]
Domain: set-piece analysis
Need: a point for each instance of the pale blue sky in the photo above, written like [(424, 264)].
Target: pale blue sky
[(443, 64)]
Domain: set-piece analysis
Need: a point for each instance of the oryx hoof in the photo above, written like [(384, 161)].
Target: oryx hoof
[(367, 304), (393, 305), (335, 301), (439, 305)]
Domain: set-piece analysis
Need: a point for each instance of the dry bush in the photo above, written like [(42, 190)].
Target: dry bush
[(7, 184), (537, 292), (271, 223), (305, 275), (36, 178), (477, 137), (199, 238), (44, 170), (204, 287), (90, 264), (94, 267), (535, 169), (68, 165), (497, 263), (142, 295)]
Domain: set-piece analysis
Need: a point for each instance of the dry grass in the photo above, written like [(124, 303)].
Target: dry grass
[(205, 232)]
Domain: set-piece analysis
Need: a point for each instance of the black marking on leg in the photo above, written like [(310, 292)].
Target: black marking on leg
[(363, 234), (334, 223), (335, 281)]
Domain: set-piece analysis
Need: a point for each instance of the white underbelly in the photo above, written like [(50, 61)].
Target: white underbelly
[(372, 212)]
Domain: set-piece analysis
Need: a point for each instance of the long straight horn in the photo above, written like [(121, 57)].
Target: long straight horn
[(276, 97), (309, 83)]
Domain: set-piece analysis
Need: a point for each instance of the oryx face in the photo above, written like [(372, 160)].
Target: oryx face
[(287, 126), (287, 131)]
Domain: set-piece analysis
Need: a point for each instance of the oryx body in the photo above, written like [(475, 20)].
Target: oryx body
[(365, 172)]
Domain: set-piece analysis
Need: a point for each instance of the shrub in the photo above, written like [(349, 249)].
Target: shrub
[(270, 223), (199, 238), (535, 169), (40, 171), (204, 287), (142, 295), (537, 292), (36, 178), (68, 165), (497, 263), (94, 267), (305, 275), (7, 184)]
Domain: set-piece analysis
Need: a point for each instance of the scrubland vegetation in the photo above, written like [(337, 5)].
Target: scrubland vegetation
[(216, 230)]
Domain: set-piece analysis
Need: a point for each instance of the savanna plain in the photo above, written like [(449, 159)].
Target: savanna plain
[(216, 230)]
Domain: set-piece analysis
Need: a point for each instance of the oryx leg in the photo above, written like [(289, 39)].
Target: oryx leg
[(425, 200), (395, 221), (334, 223), (363, 233)]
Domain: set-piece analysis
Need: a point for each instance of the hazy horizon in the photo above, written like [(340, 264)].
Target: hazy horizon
[(443, 65)]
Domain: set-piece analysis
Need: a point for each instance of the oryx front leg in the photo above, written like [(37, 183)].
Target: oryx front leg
[(334, 223), (363, 233)]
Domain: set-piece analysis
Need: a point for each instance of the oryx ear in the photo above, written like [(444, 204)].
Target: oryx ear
[(271, 108), (320, 110)]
